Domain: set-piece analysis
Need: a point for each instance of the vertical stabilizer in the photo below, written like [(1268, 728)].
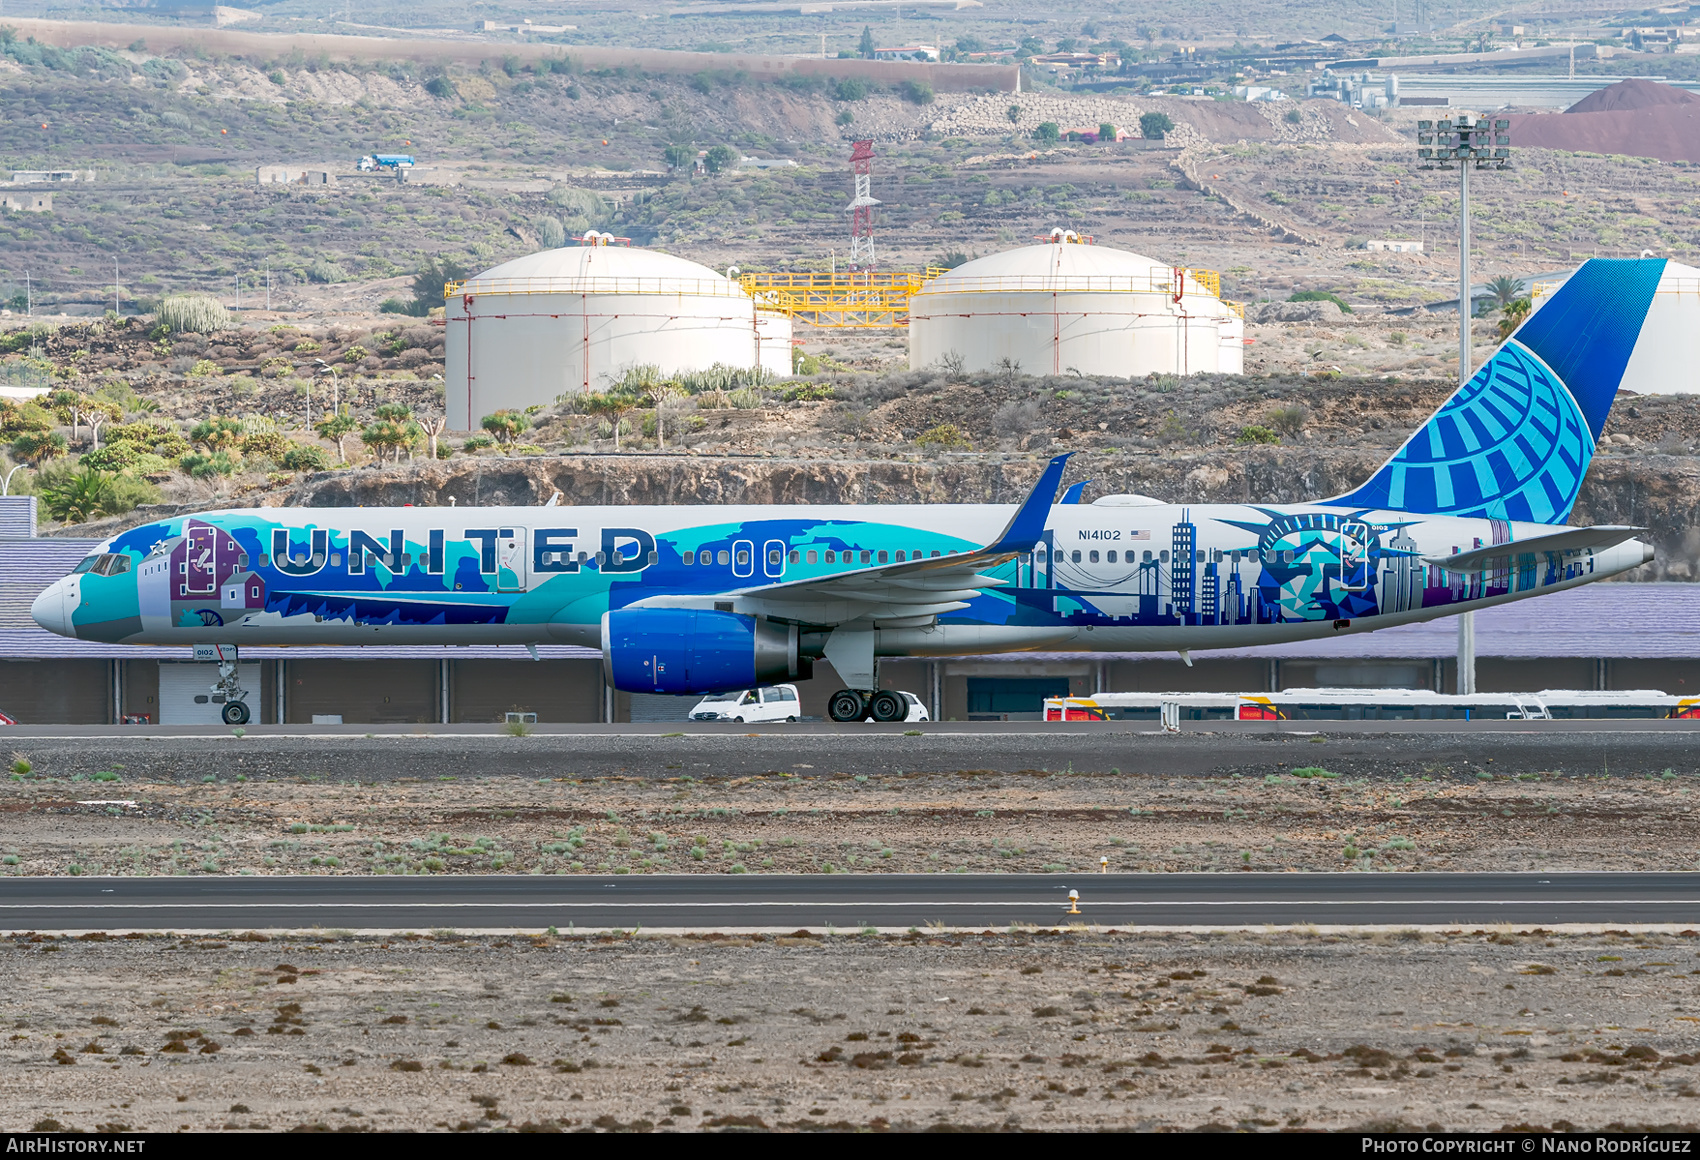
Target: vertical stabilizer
[(1515, 441)]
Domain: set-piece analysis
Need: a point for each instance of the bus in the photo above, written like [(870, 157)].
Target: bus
[(1374, 705)]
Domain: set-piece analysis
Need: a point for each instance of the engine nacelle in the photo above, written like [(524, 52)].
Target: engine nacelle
[(694, 650)]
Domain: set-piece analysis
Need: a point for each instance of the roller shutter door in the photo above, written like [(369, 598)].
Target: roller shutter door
[(556, 690), (57, 692), (363, 692), (658, 707), (186, 699)]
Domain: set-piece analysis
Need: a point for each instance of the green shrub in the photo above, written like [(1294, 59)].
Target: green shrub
[(1256, 434), (205, 369), (1047, 133), (720, 158), (198, 313), (325, 270), (850, 89), (302, 457), (205, 465), (917, 93), (1320, 296), (945, 435), (1155, 126)]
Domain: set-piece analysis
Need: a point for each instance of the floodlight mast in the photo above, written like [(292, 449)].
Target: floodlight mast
[(1464, 140)]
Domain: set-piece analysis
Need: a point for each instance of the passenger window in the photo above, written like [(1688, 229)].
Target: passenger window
[(832, 557), (1163, 556), (1110, 556), (787, 695), (1148, 555), (1092, 556), (774, 556), (899, 556), (935, 551), (883, 557), (796, 555), (336, 559), (724, 556), (689, 558), (743, 557), (812, 555), (266, 560), (1077, 555), (866, 556)]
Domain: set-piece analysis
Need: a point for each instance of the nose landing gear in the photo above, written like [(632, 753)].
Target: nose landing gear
[(235, 711)]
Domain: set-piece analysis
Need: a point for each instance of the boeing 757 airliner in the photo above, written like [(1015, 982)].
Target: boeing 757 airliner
[(1470, 512)]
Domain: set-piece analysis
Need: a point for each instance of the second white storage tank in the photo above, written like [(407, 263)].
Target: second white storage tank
[(1067, 305)]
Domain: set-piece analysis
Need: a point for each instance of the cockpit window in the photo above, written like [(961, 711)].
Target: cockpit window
[(106, 564)]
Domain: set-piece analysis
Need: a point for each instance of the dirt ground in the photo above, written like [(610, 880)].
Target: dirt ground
[(1461, 1030), (1301, 817)]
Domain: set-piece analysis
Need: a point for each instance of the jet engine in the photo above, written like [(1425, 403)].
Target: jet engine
[(694, 650)]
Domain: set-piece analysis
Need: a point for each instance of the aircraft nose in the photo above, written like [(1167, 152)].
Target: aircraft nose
[(49, 610)]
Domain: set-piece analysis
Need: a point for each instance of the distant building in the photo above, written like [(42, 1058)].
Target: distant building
[(1394, 247), (294, 175), (766, 163), (55, 176), (27, 202), (526, 26), (908, 52)]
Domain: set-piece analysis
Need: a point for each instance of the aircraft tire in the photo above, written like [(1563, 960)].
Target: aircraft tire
[(235, 712), (846, 705), (888, 706)]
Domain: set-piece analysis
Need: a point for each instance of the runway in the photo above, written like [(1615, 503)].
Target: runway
[(1374, 749), (841, 902)]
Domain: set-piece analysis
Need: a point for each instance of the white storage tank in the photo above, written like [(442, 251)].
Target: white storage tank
[(1067, 305), (573, 319), (1666, 360)]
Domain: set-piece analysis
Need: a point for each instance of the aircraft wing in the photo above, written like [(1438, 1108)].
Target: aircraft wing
[(1569, 540), (915, 588)]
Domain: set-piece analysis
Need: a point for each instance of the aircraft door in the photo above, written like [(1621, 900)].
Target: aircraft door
[(510, 560), (200, 568), (773, 559), (1353, 542)]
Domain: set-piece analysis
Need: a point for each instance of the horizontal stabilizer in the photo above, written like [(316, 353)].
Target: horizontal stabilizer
[(1569, 540)]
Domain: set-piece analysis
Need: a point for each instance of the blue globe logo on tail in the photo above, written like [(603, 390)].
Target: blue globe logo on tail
[(1515, 441)]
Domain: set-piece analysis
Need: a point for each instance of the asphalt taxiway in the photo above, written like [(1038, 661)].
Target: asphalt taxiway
[(841, 902)]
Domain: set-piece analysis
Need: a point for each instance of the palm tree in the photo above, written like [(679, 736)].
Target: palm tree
[(37, 447), (1506, 290), (336, 428)]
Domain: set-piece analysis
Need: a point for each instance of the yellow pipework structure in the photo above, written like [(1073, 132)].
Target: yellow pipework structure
[(858, 301)]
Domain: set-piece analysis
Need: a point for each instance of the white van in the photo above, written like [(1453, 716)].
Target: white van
[(775, 703)]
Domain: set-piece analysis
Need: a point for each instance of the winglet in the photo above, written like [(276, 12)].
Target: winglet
[(1028, 523), (1073, 494)]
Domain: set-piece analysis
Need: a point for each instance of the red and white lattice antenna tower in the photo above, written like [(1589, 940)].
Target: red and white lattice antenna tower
[(862, 207)]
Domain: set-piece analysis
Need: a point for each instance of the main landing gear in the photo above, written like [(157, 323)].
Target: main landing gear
[(229, 687), (863, 704)]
